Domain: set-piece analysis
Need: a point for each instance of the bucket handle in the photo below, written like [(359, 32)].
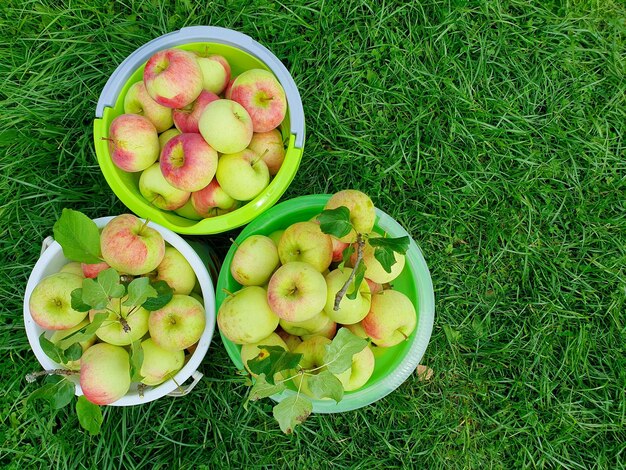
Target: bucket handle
[(184, 390), (45, 244)]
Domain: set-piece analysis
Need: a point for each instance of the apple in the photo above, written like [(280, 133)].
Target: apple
[(250, 351), (91, 270), (138, 101), (305, 241), (262, 95), (245, 316), (254, 261), (226, 126), (391, 318), (60, 335), (73, 267), (187, 211), (129, 246), (104, 373), (209, 197), (159, 364), (374, 270), (292, 341), (243, 175), (350, 310), (359, 372), (50, 302), (188, 162), (173, 78), (276, 236), (313, 351), (362, 212), (269, 146), (166, 136), (375, 287), (123, 325), (159, 192), (296, 291), (228, 88), (328, 330), (338, 245), (311, 327), (133, 142), (176, 271), (179, 324), (215, 73), (357, 330), (186, 119)]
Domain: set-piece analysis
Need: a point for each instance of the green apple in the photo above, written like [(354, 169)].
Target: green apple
[(104, 373), (215, 72), (254, 261), (296, 292), (176, 271), (276, 235), (138, 101), (250, 351), (159, 364), (362, 212), (391, 318), (270, 147), (291, 341), (186, 119), (159, 192), (60, 335), (307, 327), (305, 242), (313, 351), (123, 325), (226, 126), (166, 136), (179, 324), (73, 267), (243, 175), (374, 270), (357, 330), (50, 302), (359, 372), (188, 211), (350, 310)]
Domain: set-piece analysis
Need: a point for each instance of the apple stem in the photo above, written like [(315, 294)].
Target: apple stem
[(359, 257), (227, 291), (145, 224), (234, 242), (106, 138), (140, 389), (125, 324), (30, 378)]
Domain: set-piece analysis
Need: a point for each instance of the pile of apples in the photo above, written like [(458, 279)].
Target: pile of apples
[(132, 248), (290, 280), (225, 144)]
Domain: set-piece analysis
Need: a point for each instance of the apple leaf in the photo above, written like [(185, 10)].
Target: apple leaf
[(335, 222), (325, 385), (77, 301), (86, 332), (106, 286), (51, 350), (273, 359), (339, 352), (346, 255), (136, 361), (74, 352), (262, 389), (89, 415), (79, 237), (58, 392), (164, 294), (358, 279), (292, 411), (384, 249), (139, 290)]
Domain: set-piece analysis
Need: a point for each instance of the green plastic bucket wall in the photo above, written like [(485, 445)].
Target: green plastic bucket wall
[(243, 53), (393, 365)]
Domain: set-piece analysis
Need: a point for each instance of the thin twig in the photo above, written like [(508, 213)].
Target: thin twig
[(359, 257), (30, 378)]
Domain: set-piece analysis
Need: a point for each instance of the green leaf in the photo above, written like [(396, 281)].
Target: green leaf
[(89, 415), (347, 254), (164, 294), (74, 352), (292, 411), (325, 385), (136, 361), (79, 237), (106, 286), (77, 301), (273, 359), (262, 389), (51, 350), (139, 290), (339, 352), (384, 249), (358, 279), (86, 332), (58, 392), (335, 222)]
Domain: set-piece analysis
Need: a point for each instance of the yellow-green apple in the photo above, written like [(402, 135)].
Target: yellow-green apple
[(123, 325), (209, 197), (226, 126), (319, 325), (133, 142), (362, 212), (60, 335), (338, 245), (359, 372), (391, 318), (91, 270), (350, 310), (166, 136), (228, 88), (159, 364), (245, 316), (262, 95), (375, 287), (276, 236), (250, 351), (328, 330), (176, 271), (129, 246), (254, 261), (243, 175), (104, 373), (186, 119), (179, 324), (269, 145), (50, 302), (159, 192), (138, 101), (188, 211), (305, 241), (73, 267), (292, 341), (313, 351), (188, 162), (216, 211), (173, 78), (296, 291), (215, 72), (374, 270), (357, 329)]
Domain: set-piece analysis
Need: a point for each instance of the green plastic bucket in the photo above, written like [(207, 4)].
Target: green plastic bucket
[(393, 365), (243, 53)]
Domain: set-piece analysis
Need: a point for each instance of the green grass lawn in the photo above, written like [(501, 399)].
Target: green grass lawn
[(493, 131)]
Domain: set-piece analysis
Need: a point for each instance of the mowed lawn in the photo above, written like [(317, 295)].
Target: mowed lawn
[(493, 131)]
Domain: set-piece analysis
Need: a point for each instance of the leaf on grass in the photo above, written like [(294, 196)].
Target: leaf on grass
[(58, 392), (79, 237), (262, 389), (335, 222), (89, 415), (139, 290), (74, 352), (51, 350), (164, 294), (136, 361), (97, 292), (291, 412), (385, 249), (86, 332), (339, 352), (325, 385), (358, 279), (77, 301), (273, 359)]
